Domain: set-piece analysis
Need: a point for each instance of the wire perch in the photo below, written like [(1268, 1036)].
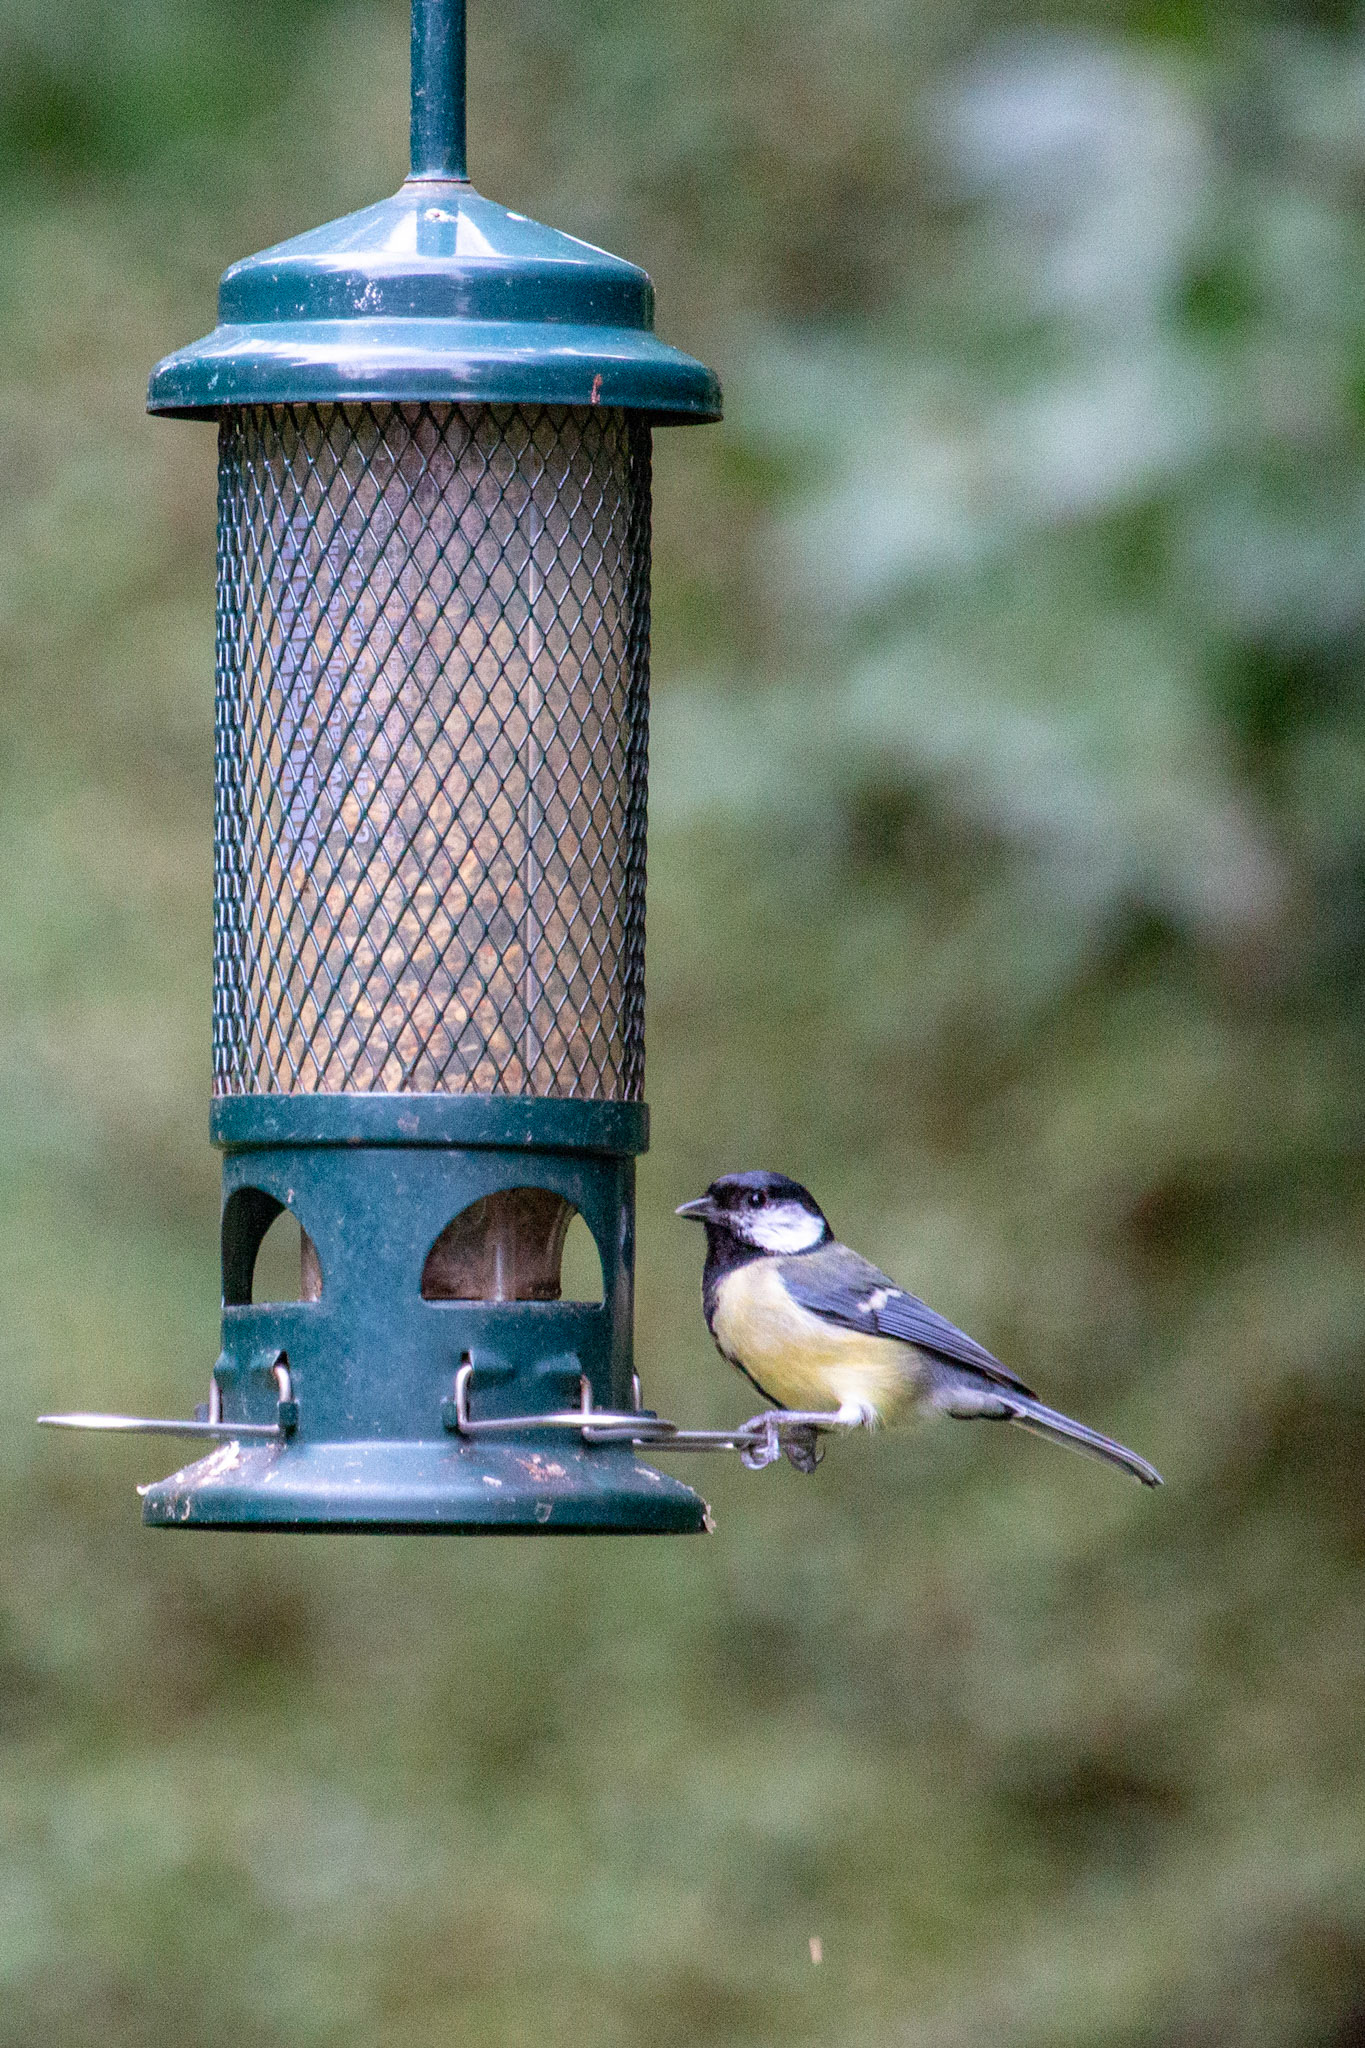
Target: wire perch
[(207, 1423), (760, 1441)]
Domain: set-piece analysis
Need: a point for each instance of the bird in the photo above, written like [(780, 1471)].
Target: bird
[(815, 1326)]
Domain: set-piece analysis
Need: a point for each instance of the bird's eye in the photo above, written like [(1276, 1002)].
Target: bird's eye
[(757, 1199)]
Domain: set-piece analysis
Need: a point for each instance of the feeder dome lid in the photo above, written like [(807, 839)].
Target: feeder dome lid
[(436, 294)]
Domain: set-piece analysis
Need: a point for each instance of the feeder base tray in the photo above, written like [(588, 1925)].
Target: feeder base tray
[(425, 1488)]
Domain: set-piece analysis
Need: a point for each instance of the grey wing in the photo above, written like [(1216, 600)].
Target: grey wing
[(849, 1289)]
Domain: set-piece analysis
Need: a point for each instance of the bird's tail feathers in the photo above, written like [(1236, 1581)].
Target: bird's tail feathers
[(1061, 1429), (957, 1395)]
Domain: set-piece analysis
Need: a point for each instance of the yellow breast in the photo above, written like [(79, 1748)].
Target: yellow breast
[(800, 1360)]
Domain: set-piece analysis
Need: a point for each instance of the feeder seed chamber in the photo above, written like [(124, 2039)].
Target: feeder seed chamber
[(432, 654)]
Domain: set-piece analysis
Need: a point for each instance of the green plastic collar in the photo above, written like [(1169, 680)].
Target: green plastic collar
[(435, 294), (533, 1123)]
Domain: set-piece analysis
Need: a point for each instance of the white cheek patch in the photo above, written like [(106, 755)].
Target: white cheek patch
[(783, 1227)]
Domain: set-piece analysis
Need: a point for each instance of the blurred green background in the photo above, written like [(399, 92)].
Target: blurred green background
[(1007, 885)]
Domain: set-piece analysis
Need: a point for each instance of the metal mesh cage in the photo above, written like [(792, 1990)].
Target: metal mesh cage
[(432, 702)]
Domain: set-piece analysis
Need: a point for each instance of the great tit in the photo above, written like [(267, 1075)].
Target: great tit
[(815, 1326)]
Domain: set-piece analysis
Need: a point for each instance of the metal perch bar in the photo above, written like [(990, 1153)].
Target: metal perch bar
[(145, 1425), (210, 1424), (759, 1441)]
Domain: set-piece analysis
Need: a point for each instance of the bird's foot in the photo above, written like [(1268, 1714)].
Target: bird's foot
[(795, 1435)]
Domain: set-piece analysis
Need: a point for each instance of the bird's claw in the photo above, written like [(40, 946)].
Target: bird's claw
[(802, 1447)]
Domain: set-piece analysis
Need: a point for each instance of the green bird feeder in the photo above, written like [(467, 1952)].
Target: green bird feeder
[(434, 423)]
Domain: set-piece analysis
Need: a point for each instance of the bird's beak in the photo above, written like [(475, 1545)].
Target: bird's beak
[(703, 1210)]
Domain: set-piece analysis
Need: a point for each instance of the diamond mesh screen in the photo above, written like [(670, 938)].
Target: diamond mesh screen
[(433, 656)]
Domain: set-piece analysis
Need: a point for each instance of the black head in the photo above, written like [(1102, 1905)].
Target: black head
[(763, 1212)]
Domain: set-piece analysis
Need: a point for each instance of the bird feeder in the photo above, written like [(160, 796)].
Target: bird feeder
[(434, 427)]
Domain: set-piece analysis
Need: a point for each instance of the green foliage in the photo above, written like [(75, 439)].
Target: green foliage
[(109, 87), (1007, 884)]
